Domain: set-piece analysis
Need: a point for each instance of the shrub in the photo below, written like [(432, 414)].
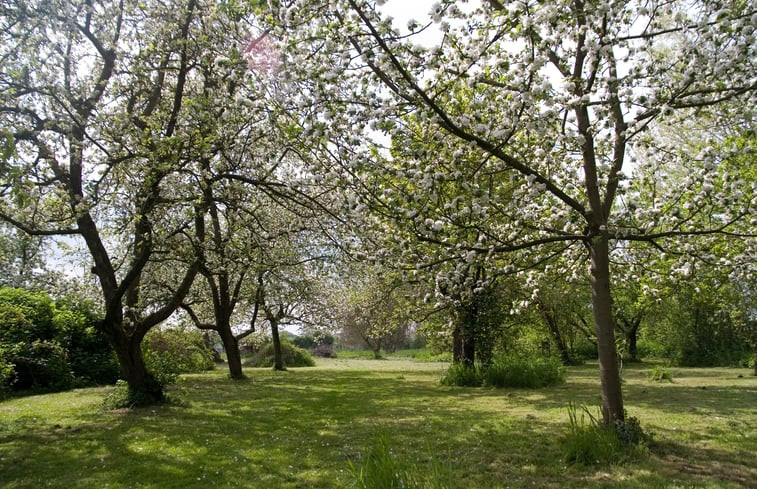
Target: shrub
[(463, 375), (25, 316), (30, 355), (660, 373), (92, 359), (40, 365), (324, 351), (171, 352), (382, 469), (291, 356), (51, 345), (629, 431), (588, 441), (7, 368), (651, 348), (524, 372)]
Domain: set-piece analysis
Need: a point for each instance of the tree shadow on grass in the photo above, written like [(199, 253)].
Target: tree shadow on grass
[(300, 429), (703, 465)]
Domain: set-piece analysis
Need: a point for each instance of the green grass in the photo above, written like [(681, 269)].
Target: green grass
[(302, 429)]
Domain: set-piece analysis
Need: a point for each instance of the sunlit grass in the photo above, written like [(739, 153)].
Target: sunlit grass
[(301, 429)]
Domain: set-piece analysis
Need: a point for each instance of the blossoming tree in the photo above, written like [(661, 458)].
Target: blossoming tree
[(559, 98)]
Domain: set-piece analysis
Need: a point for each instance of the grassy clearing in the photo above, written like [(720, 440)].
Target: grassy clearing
[(301, 429)]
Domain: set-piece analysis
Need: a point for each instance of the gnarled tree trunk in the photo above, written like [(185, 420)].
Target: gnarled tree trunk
[(144, 388)]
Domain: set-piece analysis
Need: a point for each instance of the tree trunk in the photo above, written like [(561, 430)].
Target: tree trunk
[(278, 361), (233, 356), (557, 336), (457, 345), (144, 388), (609, 374), (469, 346), (632, 336)]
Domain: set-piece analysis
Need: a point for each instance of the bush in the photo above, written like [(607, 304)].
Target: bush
[(324, 351), (92, 359), (585, 350), (51, 345), (25, 316), (171, 352), (382, 469), (524, 372), (463, 375), (651, 348), (660, 373), (291, 356), (40, 365)]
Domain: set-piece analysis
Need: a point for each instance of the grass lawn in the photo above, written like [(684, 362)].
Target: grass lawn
[(300, 429)]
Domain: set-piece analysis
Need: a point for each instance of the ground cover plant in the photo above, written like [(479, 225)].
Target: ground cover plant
[(305, 428)]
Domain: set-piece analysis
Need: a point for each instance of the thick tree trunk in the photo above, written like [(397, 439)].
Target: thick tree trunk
[(278, 361), (609, 374), (233, 356), (457, 345), (466, 334), (469, 346), (144, 388)]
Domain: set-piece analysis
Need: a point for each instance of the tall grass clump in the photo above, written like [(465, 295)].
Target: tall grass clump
[(382, 469), (588, 441), (463, 375), (523, 371)]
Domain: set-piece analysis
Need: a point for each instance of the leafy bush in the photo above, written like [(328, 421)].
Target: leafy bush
[(629, 432), (660, 373), (381, 469), (25, 316), (524, 371), (171, 352), (51, 345), (651, 348), (6, 374), (92, 360), (291, 356), (463, 375), (40, 365), (585, 350)]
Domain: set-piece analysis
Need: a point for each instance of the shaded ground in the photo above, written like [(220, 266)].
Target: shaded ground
[(300, 429)]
